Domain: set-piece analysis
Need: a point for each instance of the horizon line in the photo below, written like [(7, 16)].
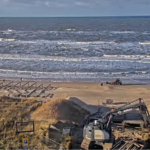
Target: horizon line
[(71, 16)]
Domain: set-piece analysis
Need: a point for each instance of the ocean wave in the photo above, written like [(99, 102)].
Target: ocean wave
[(8, 40), (123, 32), (61, 74), (131, 58), (70, 29), (74, 31), (19, 73), (80, 43), (127, 56), (9, 30), (38, 57), (124, 44), (145, 33), (144, 43), (92, 42), (125, 72), (60, 42)]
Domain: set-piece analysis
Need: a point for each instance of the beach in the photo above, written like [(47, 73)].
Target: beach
[(46, 103), (89, 92)]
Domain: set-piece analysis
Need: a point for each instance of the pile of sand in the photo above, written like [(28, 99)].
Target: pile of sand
[(60, 109)]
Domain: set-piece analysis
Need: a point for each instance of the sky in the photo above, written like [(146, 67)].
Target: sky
[(73, 8)]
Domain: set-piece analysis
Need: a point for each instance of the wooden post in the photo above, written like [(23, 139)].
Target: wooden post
[(33, 126), (16, 129), (98, 102)]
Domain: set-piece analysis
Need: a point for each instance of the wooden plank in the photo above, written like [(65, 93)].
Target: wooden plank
[(24, 85), (48, 95), (43, 90), (31, 86), (14, 85), (4, 87), (34, 90), (18, 91)]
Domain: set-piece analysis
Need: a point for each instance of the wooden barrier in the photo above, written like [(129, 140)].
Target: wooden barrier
[(43, 90), (34, 90), (24, 124), (5, 86), (24, 85), (28, 88), (14, 85)]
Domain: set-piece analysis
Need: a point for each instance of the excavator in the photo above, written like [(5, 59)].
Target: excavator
[(97, 131)]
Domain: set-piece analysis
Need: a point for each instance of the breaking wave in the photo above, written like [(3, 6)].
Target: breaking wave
[(8, 40), (61, 74), (123, 32), (134, 58), (144, 43), (72, 51)]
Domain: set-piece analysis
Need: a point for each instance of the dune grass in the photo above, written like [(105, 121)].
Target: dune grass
[(20, 110), (14, 110)]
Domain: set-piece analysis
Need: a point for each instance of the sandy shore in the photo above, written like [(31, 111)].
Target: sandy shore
[(94, 93)]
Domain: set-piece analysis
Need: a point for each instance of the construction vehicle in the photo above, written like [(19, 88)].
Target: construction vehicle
[(117, 82), (67, 137), (97, 132)]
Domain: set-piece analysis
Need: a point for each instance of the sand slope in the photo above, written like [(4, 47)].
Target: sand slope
[(60, 109)]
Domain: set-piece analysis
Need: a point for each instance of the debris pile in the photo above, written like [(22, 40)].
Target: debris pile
[(60, 109), (122, 144)]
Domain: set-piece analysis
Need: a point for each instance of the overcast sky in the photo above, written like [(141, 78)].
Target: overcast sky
[(66, 8)]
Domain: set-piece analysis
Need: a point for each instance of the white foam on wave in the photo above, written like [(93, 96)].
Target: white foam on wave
[(56, 75), (74, 43), (9, 40), (70, 29), (74, 31), (125, 73), (109, 58), (74, 74), (71, 76), (38, 57), (9, 30), (83, 43), (144, 43), (123, 32), (29, 42), (127, 56)]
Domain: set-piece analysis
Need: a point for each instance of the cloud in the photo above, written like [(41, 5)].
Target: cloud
[(62, 3), (74, 7), (55, 4), (79, 3)]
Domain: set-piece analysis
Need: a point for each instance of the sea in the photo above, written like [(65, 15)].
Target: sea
[(88, 49)]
